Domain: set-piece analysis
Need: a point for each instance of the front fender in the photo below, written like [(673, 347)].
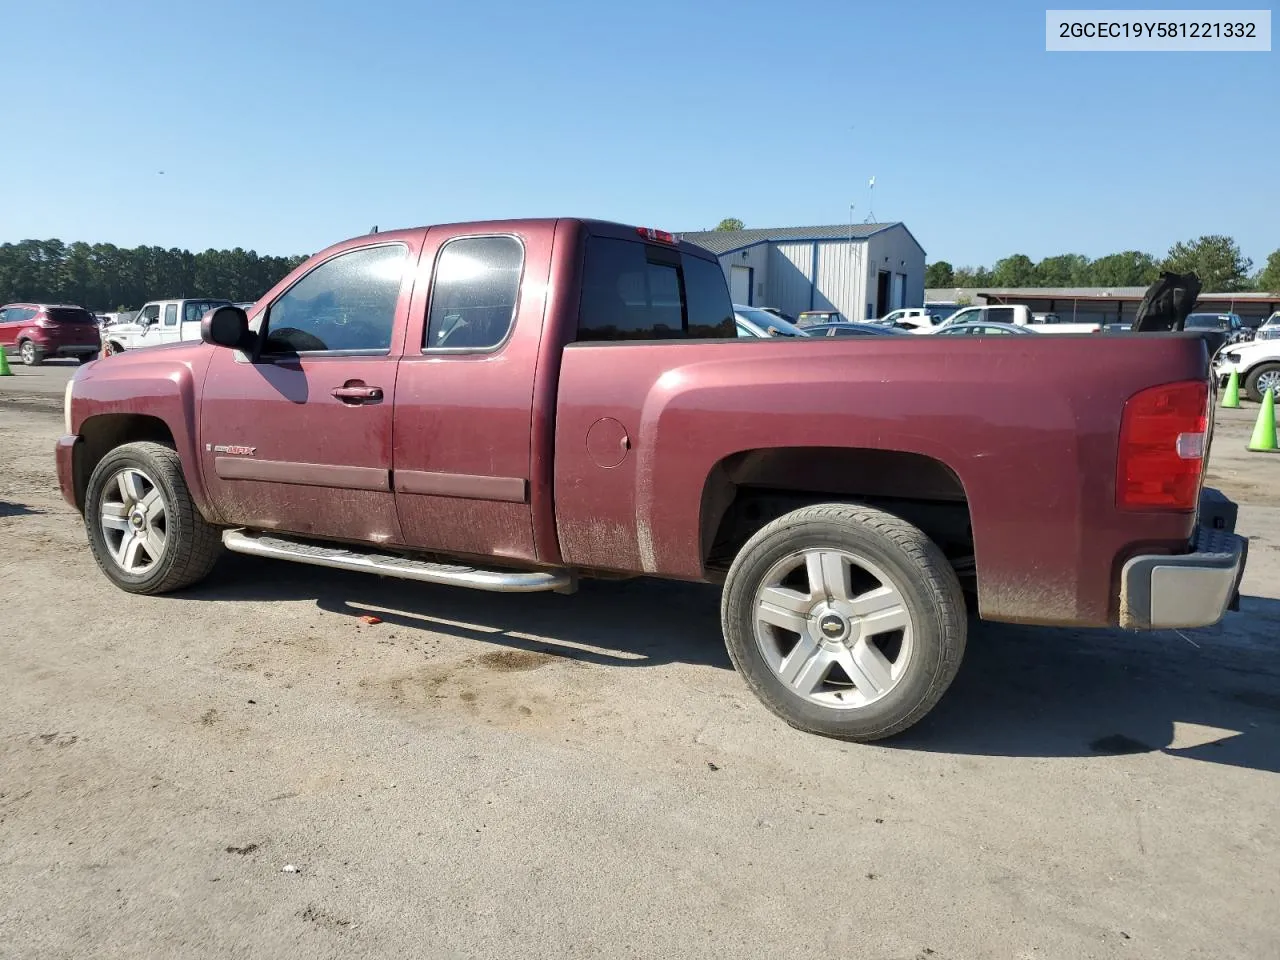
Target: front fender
[(149, 384)]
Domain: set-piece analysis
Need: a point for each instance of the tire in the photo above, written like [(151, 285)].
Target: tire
[(30, 353), (904, 623), (87, 358), (113, 348), (1253, 382), (178, 546)]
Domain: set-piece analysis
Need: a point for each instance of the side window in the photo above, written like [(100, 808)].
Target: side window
[(170, 314), (150, 313), (1000, 314), (347, 303), (707, 297), (474, 293), (639, 291)]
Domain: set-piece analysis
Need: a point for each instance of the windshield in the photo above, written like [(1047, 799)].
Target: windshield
[(1206, 321), (775, 326)]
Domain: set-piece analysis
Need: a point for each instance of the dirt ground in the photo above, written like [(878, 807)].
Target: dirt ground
[(248, 769)]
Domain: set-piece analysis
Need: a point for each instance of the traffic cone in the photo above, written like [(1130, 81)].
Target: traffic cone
[(1264, 431), (1232, 397), (4, 364)]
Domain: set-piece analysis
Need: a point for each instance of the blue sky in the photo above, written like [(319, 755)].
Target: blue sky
[(284, 126)]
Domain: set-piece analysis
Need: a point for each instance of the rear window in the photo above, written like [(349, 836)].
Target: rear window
[(640, 291), (194, 310), (69, 315), (1000, 314)]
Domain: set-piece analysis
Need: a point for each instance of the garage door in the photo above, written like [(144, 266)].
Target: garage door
[(740, 284)]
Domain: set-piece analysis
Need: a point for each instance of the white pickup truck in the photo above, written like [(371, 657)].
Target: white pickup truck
[(159, 322), (1016, 314)]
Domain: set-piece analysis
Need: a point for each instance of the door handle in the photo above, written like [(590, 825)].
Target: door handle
[(355, 394)]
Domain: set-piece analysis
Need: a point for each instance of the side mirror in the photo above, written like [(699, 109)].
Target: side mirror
[(226, 327)]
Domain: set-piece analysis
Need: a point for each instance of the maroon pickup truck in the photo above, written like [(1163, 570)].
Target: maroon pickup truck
[(513, 406)]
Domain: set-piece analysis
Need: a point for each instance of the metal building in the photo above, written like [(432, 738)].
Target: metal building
[(864, 270)]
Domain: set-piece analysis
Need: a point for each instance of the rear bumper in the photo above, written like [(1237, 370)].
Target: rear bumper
[(1196, 589), (65, 455)]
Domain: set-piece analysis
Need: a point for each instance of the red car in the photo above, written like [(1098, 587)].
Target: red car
[(37, 331), (515, 406)]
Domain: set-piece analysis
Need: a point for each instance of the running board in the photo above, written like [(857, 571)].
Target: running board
[(388, 565)]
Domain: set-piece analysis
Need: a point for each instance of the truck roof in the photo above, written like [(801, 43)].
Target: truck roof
[(603, 228)]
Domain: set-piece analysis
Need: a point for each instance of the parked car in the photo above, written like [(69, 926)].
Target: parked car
[(809, 317), (1229, 323), (586, 417), (1015, 314), (1270, 328), (754, 322), (37, 331), (160, 322), (1257, 364), (852, 330), (908, 318), (979, 329), (780, 314)]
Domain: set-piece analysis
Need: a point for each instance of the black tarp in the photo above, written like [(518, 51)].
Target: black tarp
[(1167, 303)]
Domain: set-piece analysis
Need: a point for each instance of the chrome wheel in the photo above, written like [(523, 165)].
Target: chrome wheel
[(833, 627), (134, 521), (1270, 380), (28, 352)]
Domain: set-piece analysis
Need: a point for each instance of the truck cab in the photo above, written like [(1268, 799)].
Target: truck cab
[(160, 322)]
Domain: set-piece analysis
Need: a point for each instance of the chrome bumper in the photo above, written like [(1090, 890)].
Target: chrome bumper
[(1196, 589)]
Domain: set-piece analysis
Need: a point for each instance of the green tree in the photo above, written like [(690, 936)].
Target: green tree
[(938, 275), (1268, 279), (1132, 268), (973, 277), (730, 223), (1064, 270), (1015, 271), (1215, 259)]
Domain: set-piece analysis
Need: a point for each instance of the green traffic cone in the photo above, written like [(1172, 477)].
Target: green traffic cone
[(1232, 397), (1264, 431), (4, 364)]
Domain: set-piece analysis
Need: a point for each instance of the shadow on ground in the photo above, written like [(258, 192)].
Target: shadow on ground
[(627, 623), (1040, 692), (1021, 692), (9, 509)]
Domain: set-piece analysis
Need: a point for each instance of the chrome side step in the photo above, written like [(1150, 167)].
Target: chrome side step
[(387, 565)]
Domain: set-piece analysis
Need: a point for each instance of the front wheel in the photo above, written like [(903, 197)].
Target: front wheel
[(144, 530), (30, 354), (844, 620), (1260, 380)]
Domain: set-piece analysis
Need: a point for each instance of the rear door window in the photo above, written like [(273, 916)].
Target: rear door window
[(170, 314), (1000, 314), (474, 293), (641, 291)]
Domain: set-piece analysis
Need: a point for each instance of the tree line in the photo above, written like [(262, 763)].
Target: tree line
[(1215, 259), (103, 277)]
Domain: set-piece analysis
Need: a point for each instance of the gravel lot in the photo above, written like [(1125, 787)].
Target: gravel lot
[(545, 776)]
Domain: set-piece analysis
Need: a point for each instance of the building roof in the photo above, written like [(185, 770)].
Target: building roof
[(721, 242)]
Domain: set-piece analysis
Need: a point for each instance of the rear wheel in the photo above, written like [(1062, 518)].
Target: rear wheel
[(113, 348), (844, 620), (1261, 379), (87, 357), (144, 530), (30, 353)]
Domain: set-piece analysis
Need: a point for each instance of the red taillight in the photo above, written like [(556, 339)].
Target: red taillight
[(661, 236), (1163, 435)]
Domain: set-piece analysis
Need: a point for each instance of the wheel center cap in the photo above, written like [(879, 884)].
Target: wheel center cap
[(138, 519), (833, 626)]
